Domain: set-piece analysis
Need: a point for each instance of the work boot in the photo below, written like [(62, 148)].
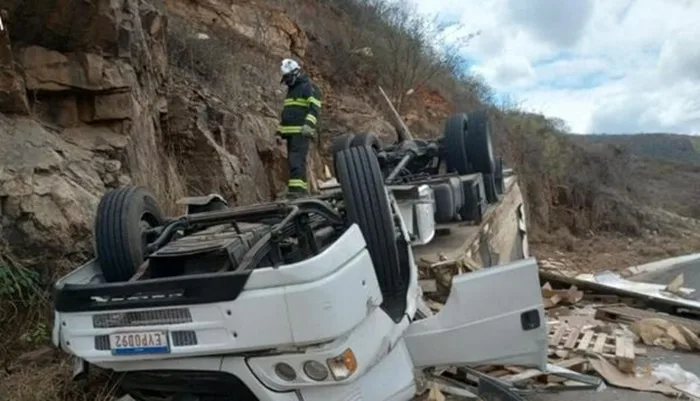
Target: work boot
[(295, 194), (290, 195)]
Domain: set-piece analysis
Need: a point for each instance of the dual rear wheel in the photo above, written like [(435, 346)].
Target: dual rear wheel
[(469, 149)]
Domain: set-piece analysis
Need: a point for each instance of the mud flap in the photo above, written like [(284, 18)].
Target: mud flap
[(492, 316), (80, 368)]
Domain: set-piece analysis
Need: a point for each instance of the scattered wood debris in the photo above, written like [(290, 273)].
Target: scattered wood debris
[(627, 315), (608, 283), (553, 297), (434, 394), (594, 324), (662, 333), (435, 276), (565, 342), (615, 377), (675, 285)]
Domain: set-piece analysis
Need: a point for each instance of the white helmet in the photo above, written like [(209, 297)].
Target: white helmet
[(289, 66)]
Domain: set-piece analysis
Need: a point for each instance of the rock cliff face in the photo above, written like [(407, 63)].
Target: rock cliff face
[(88, 103), (91, 99)]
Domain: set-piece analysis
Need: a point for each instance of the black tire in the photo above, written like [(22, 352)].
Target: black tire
[(368, 206), (370, 140), (122, 214), (341, 143), (444, 203), (455, 137), (479, 146), (490, 188), (498, 174), (472, 211)]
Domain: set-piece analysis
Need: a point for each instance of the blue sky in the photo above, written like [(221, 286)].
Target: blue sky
[(601, 65)]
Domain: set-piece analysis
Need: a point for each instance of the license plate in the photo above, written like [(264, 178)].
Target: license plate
[(144, 342)]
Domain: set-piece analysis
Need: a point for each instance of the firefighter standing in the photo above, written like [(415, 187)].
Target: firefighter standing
[(298, 123)]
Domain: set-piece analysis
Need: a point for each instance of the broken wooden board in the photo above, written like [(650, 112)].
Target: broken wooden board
[(662, 333), (428, 285), (551, 297), (565, 342), (628, 315)]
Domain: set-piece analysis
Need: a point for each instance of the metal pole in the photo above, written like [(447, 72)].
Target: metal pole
[(404, 161), (404, 133)]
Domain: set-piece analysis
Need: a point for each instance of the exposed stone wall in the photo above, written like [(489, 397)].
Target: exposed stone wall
[(90, 102)]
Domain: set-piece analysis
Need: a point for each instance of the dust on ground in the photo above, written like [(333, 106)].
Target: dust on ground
[(612, 252)]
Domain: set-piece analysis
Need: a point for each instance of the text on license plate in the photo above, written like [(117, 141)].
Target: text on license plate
[(145, 342)]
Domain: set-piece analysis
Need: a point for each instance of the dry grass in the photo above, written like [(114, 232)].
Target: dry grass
[(30, 368), (24, 306), (568, 185), (233, 67), (49, 379)]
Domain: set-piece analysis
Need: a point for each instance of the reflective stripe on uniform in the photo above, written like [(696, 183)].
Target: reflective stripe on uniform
[(314, 101), (289, 129), (302, 102), (311, 118), (296, 102), (296, 183)]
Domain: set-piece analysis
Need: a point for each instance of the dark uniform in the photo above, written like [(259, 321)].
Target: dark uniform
[(301, 107)]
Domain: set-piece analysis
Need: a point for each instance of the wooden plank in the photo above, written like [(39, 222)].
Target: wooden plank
[(428, 286), (573, 337), (586, 340), (522, 376), (624, 347), (573, 362), (561, 353), (624, 353), (558, 335), (599, 345), (630, 315)]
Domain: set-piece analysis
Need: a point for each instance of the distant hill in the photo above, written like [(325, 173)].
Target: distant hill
[(683, 149), (664, 168)]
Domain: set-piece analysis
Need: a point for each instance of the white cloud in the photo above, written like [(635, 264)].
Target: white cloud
[(601, 65), (560, 23), (512, 71)]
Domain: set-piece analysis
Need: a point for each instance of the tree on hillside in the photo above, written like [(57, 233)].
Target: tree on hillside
[(415, 51)]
